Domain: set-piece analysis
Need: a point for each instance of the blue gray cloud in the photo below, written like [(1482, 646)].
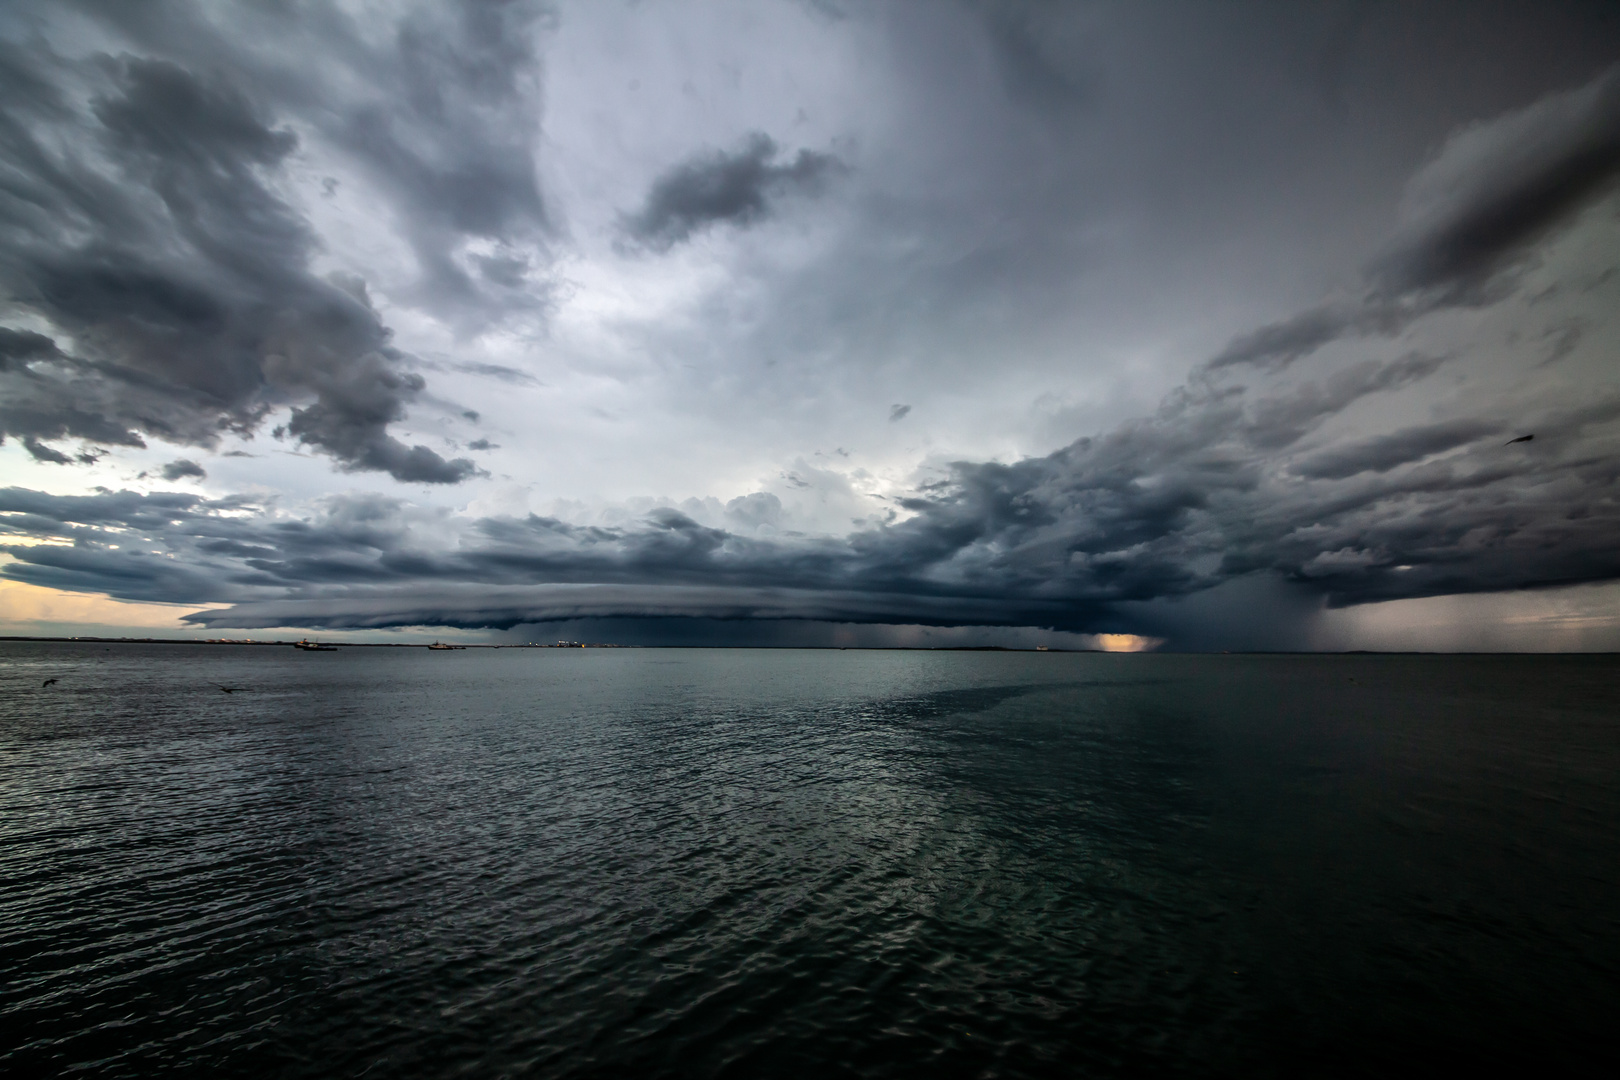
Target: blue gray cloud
[(1015, 212), (1213, 488), (145, 225), (735, 188), (183, 469), (1480, 208)]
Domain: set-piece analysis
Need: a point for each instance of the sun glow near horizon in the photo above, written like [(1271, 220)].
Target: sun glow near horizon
[(1127, 643), (26, 609)]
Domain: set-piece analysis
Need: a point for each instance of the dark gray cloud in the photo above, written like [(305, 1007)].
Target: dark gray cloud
[(40, 452), (1476, 214), (144, 225), (1500, 187), (1212, 489), (736, 187), (1049, 197), (19, 346), (437, 105), (1280, 344), (183, 468), (451, 130), (1385, 452)]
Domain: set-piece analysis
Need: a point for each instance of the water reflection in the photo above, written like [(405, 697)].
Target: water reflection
[(690, 862)]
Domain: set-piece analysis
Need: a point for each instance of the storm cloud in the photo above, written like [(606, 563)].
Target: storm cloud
[(1474, 213), (960, 315), (147, 228), (183, 469), (1211, 489), (717, 187), (1497, 187)]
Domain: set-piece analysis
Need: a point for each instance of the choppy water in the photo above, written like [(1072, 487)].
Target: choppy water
[(694, 863)]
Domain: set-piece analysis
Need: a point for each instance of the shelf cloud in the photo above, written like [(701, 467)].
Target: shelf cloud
[(1210, 489), (964, 315)]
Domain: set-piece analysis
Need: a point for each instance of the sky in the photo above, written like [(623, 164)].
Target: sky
[(813, 322)]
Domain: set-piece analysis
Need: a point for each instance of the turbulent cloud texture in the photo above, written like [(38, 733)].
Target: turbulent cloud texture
[(1212, 488), (168, 288), (222, 221)]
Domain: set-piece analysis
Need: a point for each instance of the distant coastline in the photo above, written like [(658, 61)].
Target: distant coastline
[(535, 645), (782, 648)]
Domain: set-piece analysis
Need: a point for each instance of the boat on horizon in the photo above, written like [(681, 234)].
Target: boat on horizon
[(313, 646), (440, 646)]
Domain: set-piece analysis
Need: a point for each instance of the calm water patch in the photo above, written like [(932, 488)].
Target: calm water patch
[(745, 863)]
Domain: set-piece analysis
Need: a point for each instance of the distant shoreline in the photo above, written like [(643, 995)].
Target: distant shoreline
[(534, 645), (782, 648)]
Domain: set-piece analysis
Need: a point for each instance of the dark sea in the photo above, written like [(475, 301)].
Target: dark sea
[(762, 863)]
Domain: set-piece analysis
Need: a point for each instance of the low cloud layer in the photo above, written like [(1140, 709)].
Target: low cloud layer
[(383, 239), (1215, 487)]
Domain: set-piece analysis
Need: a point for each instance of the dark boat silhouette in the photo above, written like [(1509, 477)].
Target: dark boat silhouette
[(314, 646)]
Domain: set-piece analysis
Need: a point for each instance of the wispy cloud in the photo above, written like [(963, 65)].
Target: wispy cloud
[(1474, 214)]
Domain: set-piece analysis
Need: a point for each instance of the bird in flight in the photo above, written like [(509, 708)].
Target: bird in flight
[(47, 682), (1521, 438)]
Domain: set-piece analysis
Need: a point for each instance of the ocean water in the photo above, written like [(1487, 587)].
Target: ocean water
[(794, 863)]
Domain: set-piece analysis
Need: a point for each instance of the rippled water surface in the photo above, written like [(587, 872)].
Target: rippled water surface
[(780, 863)]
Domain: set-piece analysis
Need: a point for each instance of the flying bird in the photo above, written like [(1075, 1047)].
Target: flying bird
[(47, 682), (1521, 438)]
